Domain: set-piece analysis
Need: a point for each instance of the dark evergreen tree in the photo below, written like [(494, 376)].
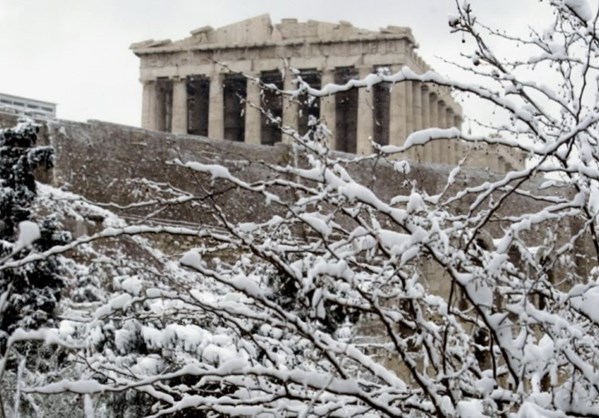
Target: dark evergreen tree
[(34, 288)]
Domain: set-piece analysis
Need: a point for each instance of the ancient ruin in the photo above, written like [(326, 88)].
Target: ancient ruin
[(198, 86)]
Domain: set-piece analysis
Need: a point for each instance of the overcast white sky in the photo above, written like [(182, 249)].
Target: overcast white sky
[(76, 52)]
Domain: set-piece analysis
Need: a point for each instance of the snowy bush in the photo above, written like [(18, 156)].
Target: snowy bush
[(31, 292)]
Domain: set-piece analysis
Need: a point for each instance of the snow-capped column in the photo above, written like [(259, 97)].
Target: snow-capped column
[(216, 127), (327, 105), (252, 113), (365, 116), (397, 113), (179, 123), (148, 112)]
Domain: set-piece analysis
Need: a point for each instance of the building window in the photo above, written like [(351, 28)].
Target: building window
[(234, 95), (346, 111), (381, 103), (309, 106), (198, 103), (164, 104), (272, 103)]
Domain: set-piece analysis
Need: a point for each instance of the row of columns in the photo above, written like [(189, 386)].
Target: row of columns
[(413, 106)]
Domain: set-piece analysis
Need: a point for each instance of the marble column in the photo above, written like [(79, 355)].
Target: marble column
[(417, 115), (453, 143), (365, 116), (216, 112), (460, 147), (443, 144), (397, 113), (433, 109), (426, 120), (148, 112), (327, 106), (290, 107), (179, 121), (434, 118), (449, 117), (442, 122), (457, 121), (409, 105), (252, 112)]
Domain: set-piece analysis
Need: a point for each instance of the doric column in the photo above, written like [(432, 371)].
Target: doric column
[(426, 106), (290, 108), (444, 143), (179, 123), (417, 111), (460, 147), (417, 115), (457, 121), (148, 112), (449, 117), (327, 105), (425, 93), (365, 116), (397, 113), (409, 107), (409, 103), (252, 112), (442, 123), (453, 143), (434, 118), (216, 127), (434, 110)]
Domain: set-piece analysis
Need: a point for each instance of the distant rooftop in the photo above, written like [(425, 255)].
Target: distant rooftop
[(259, 30), (26, 106)]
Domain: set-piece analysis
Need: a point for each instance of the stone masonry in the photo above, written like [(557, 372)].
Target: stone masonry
[(197, 86)]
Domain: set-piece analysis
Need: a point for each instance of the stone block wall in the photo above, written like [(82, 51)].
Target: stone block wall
[(121, 166)]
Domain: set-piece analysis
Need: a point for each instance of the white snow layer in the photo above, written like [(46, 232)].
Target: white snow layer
[(28, 233)]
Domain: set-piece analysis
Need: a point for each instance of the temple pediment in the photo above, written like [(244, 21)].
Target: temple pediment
[(260, 30)]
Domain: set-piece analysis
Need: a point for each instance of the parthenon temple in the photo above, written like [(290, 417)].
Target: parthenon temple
[(197, 86)]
